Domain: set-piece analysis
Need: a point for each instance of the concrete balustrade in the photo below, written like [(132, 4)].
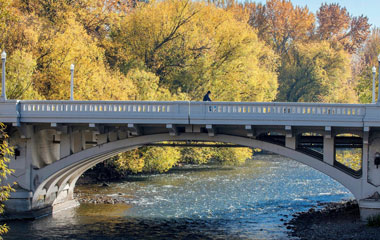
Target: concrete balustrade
[(287, 108), (104, 112)]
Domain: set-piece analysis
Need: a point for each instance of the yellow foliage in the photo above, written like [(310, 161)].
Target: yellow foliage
[(351, 158), (130, 161), (93, 80), (21, 66), (5, 152), (193, 47), (148, 159), (231, 156), (160, 158)]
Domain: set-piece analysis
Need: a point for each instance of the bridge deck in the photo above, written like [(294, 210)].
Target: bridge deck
[(182, 112)]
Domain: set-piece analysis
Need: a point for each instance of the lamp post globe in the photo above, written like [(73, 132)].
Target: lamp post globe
[(3, 93)]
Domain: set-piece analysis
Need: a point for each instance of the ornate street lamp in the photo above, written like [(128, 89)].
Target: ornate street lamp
[(72, 83), (3, 93), (373, 83)]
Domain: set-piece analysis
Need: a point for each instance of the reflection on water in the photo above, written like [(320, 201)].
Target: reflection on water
[(194, 202)]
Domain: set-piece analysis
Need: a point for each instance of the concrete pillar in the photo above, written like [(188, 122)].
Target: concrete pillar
[(291, 142), (290, 138), (328, 149), (76, 141), (122, 134), (83, 139), (102, 138), (365, 153), (112, 136), (65, 149)]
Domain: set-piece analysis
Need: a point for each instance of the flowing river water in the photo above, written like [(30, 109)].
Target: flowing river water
[(194, 202)]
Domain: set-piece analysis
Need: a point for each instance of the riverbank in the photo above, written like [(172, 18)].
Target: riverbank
[(334, 221)]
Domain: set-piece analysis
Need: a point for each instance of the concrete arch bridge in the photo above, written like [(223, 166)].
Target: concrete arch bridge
[(57, 141)]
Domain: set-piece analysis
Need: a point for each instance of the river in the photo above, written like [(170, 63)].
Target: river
[(194, 202)]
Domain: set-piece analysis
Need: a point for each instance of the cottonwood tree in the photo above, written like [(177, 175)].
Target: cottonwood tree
[(193, 47), (316, 72), (337, 25), (367, 58), (280, 23)]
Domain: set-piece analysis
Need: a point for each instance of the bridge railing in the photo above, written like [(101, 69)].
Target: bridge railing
[(104, 111), (264, 113), (182, 112)]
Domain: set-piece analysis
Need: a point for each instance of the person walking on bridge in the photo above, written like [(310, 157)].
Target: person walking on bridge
[(207, 98)]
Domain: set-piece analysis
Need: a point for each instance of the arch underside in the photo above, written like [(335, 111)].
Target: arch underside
[(60, 177)]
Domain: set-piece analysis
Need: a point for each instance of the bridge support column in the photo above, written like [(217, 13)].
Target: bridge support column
[(290, 138), (65, 148), (19, 204), (328, 150)]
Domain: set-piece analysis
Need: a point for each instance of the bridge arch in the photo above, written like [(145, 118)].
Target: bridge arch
[(59, 178)]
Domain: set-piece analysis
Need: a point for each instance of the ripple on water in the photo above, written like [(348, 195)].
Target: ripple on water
[(195, 202)]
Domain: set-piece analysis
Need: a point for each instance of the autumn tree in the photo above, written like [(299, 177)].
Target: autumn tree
[(367, 58), (316, 72), (279, 23), (337, 25), (149, 159), (20, 70), (193, 47)]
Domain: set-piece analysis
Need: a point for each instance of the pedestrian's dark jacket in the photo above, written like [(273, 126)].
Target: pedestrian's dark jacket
[(206, 98)]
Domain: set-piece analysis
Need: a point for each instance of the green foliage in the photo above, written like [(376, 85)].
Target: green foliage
[(5, 152), (364, 87), (316, 72)]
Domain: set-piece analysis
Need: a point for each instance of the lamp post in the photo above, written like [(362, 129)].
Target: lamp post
[(72, 83), (3, 93), (378, 96), (373, 83)]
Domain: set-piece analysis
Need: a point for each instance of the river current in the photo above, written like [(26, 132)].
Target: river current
[(194, 202)]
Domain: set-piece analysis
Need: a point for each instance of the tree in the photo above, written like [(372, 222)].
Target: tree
[(67, 44), (279, 23), (5, 152), (149, 159), (367, 58), (335, 24), (316, 72), (20, 69), (193, 47)]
